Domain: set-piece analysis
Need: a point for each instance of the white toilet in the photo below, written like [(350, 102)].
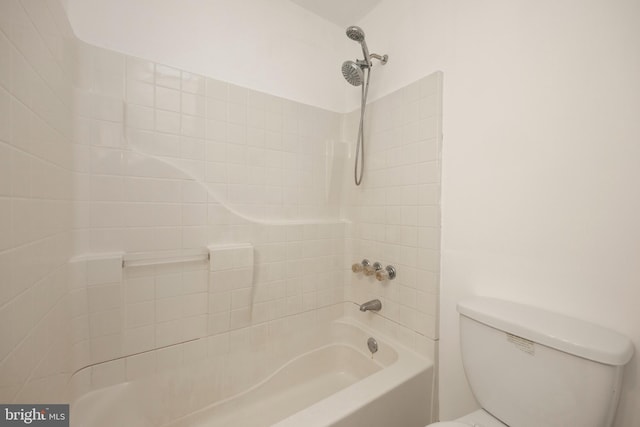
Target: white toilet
[(533, 368)]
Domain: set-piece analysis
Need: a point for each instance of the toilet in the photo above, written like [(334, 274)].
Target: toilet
[(530, 368)]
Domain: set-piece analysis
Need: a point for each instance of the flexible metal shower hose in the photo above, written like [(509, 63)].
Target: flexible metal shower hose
[(360, 142)]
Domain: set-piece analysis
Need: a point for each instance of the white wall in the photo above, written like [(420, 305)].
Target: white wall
[(540, 159), (272, 46)]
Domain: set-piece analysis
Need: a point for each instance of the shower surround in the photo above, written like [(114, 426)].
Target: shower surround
[(182, 164), (117, 158)]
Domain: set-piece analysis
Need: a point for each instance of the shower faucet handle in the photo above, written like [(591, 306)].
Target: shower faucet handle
[(389, 273), (357, 268), (370, 270)]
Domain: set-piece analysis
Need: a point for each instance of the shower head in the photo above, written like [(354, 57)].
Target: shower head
[(352, 73), (356, 34)]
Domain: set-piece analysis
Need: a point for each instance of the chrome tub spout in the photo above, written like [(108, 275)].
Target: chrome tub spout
[(373, 305)]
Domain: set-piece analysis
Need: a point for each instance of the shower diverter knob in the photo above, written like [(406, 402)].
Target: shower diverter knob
[(370, 270), (389, 273), (357, 268)]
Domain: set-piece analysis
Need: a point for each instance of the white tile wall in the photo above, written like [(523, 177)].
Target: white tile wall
[(103, 154), (295, 269), (241, 290), (145, 308), (396, 212), (263, 155), (35, 203), (178, 162), (230, 290)]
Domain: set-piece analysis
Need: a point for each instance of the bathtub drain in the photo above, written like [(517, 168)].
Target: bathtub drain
[(373, 345)]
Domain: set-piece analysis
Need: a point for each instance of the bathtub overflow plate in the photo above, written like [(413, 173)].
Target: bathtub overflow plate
[(372, 344)]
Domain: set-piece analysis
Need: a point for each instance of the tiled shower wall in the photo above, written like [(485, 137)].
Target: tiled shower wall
[(395, 213), (35, 200), (172, 163), (260, 156), (169, 160), (105, 156), (134, 321)]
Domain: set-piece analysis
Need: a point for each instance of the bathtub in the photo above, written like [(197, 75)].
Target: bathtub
[(329, 380)]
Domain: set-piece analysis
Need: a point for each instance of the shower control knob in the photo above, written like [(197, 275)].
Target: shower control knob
[(370, 270), (357, 268), (389, 273)]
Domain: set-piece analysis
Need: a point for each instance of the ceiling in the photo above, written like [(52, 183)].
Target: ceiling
[(341, 12)]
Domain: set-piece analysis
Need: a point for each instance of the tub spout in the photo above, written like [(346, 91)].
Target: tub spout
[(373, 305)]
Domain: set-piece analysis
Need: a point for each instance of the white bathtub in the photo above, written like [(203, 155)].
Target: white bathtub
[(335, 383)]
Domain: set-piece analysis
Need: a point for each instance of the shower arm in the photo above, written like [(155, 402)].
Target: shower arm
[(382, 58), (367, 64)]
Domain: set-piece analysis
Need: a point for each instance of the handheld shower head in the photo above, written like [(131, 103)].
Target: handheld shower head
[(352, 73), (355, 33)]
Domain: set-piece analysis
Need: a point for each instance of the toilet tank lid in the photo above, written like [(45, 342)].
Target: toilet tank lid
[(553, 330)]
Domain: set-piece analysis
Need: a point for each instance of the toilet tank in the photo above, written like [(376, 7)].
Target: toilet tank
[(531, 368)]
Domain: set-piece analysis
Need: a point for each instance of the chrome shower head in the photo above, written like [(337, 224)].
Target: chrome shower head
[(352, 73), (355, 33)]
